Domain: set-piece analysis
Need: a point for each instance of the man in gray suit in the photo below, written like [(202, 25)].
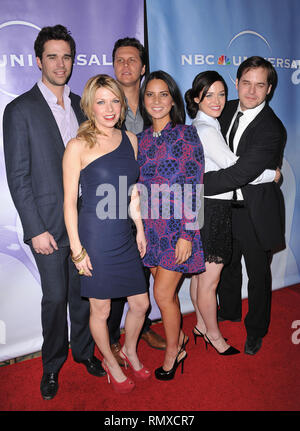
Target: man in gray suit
[(36, 127)]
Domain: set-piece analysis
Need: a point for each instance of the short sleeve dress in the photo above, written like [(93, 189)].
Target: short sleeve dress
[(171, 177)]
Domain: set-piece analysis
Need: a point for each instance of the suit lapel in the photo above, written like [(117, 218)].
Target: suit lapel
[(252, 125), (48, 118), (76, 108), (227, 116)]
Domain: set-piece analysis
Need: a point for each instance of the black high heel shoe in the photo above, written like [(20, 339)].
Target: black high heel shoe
[(197, 334), (230, 351), (161, 374), (184, 342)]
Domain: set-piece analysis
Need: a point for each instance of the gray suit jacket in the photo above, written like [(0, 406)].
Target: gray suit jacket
[(33, 150)]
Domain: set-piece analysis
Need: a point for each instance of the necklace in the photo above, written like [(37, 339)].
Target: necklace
[(156, 134)]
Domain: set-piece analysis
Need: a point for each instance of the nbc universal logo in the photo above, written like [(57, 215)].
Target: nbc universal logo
[(17, 59), (230, 58), (22, 59)]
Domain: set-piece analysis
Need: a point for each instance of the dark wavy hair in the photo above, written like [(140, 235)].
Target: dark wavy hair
[(202, 82), (58, 32), (177, 112)]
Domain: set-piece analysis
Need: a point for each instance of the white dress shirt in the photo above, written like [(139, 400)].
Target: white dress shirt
[(65, 118), (217, 153), (248, 116)]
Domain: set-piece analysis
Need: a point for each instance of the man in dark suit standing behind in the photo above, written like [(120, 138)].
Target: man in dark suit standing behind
[(36, 126), (257, 136)]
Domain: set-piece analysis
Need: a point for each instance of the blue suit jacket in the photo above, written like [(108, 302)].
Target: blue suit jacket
[(33, 150)]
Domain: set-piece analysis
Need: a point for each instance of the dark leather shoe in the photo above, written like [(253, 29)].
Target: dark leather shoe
[(94, 367), (253, 344), (115, 348), (49, 385), (154, 340)]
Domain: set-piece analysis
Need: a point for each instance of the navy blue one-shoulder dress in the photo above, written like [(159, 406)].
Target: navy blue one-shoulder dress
[(105, 229)]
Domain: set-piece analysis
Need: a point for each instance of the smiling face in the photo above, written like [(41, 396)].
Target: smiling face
[(214, 101), (253, 87), (158, 101), (106, 108), (128, 66), (56, 63)]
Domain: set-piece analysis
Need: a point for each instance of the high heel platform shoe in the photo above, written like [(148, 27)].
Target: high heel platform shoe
[(119, 387), (230, 351), (161, 374), (197, 334), (142, 374)]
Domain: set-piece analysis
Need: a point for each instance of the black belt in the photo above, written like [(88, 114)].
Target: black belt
[(238, 204)]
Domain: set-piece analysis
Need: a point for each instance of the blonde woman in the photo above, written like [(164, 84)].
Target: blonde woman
[(102, 159)]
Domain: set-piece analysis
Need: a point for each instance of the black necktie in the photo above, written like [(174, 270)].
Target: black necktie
[(231, 136), (234, 129)]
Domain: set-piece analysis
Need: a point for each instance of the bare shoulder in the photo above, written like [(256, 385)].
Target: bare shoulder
[(74, 150), (75, 145)]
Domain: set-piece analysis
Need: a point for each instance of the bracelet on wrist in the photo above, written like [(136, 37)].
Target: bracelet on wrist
[(79, 257)]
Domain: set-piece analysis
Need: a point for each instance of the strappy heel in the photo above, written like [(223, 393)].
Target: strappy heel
[(197, 334), (161, 374), (230, 351), (142, 374), (184, 342), (119, 387)]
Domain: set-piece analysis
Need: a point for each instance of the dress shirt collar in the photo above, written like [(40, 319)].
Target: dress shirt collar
[(201, 116), (49, 95), (250, 114)]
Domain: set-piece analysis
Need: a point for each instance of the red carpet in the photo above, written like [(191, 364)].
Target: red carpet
[(268, 381)]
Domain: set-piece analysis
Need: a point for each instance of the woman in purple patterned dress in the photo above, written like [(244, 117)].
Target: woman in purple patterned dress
[(171, 172)]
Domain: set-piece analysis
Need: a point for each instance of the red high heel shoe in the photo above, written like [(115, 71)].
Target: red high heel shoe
[(119, 387), (142, 374)]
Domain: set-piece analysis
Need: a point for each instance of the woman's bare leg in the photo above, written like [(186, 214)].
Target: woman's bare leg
[(207, 303), (200, 324), (135, 317), (165, 284), (99, 312)]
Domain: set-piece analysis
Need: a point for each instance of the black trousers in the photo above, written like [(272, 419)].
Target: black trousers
[(257, 262), (61, 287), (116, 313)]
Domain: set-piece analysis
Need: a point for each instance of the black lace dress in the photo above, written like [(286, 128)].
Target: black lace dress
[(216, 233)]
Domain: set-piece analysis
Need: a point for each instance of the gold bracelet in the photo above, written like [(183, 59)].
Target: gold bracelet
[(80, 257), (76, 257)]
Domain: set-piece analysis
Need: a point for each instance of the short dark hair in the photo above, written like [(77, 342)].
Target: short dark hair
[(202, 82), (131, 41), (254, 62), (57, 32), (177, 112)]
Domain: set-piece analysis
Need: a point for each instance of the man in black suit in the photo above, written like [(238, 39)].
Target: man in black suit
[(257, 210), (36, 126), (130, 62)]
